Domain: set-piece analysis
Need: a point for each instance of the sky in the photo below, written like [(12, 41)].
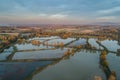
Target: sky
[(59, 11)]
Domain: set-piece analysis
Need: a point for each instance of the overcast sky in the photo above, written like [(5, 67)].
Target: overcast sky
[(59, 11)]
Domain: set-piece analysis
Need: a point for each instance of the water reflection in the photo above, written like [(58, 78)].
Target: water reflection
[(6, 53), (83, 66), (20, 70), (87, 59)]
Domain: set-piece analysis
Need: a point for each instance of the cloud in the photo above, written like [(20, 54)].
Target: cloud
[(58, 16), (109, 11), (106, 18), (59, 10), (42, 15)]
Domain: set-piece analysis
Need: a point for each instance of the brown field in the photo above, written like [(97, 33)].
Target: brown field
[(15, 34)]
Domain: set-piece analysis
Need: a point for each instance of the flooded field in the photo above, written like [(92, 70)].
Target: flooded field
[(93, 43), (76, 59), (28, 46), (111, 45), (83, 66), (43, 54), (78, 42), (6, 53)]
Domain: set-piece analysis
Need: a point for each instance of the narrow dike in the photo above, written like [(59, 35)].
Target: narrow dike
[(110, 75), (9, 58)]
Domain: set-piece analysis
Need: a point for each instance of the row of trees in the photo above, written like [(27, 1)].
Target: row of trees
[(111, 75), (6, 40), (35, 42)]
